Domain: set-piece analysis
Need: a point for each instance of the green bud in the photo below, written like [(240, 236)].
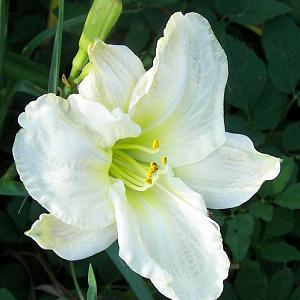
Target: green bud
[(101, 18)]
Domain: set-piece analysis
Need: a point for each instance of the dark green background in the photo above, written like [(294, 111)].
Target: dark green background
[(262, 42)]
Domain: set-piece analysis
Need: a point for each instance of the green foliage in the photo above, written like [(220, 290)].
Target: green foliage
[(281, 223), (281, 41), (135, 281), (238, 235), (290, 137), (20, 68), (290, 198), (251, 282), (92, 290), (280, 286), (12, 188), (262, 210), (243, 63), (270, 103), (262, 100), (288, 168), (251, 12), (55, 60), (280, 252), (6, 294)]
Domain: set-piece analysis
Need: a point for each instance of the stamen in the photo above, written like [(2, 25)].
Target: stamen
[(134, 173), (130, 184), (138, 180), (164, 160), (153, 168), (131, 172), (125, 157), (136, 147), (126, 166), (155, 144)]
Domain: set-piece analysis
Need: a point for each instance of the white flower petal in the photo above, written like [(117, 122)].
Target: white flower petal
[(110, 126), (115, 72), (70, 242), (165, 238), (232, 174), (63, 155), (180, 99)]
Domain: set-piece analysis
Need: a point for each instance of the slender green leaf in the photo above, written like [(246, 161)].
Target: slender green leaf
[(296, 294), (12, 188), (10, 173), (55, 61), (21, 68), (3, 28), (5, 101), (48, 33), (92, 290), (6, 294), (137, 283)]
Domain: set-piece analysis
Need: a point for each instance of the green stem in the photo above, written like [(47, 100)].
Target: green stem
[(75, 281)]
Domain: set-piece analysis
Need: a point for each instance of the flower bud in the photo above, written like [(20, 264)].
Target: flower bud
[(101, 18)]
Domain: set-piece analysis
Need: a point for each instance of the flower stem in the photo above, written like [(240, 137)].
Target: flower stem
[(75, 281)]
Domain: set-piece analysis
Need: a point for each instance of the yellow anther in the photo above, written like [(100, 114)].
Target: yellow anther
[(149, 180), (153, 167), (155, 144), (164, 160), (149, 173)]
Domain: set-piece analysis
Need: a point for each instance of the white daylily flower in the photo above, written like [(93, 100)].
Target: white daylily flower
[(90, 163)]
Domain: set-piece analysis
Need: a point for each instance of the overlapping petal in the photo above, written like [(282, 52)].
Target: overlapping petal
[(70, 242), (180, 99), (232, 174), (114, 73), (163, 236), (63, 156)]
